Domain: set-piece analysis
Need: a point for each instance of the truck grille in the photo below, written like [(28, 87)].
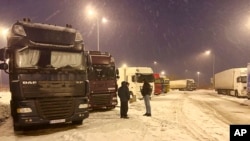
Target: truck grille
[(56, 108), (100, 99)]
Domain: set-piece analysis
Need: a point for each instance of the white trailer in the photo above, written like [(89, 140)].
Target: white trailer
[(183, 84), (135, 76), (248, 80), (231, 82)]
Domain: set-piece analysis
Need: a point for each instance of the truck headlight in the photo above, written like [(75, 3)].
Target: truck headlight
[(24, 110), (18, 29), (81, 106)]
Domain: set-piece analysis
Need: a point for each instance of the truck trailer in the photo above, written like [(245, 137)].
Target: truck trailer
[(248, 81), (232, 82), (183, 84), (135, 76), (102, 75), (47, 74)]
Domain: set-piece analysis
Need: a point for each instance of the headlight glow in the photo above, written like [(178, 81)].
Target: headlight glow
[(81, 106), (24, 110)]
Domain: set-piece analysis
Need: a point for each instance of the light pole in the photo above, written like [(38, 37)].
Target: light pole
[(186, 71), (155, 63), (208, 52), (93, 14), (198, 77), (124, 66)]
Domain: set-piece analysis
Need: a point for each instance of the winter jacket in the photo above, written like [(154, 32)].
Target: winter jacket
[(123, 92), (146, 89)]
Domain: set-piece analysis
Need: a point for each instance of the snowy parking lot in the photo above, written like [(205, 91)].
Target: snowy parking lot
[(194, 116)]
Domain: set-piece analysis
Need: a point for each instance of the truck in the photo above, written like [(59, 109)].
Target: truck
[(102, 75), (182, 84), (135, 76), (158, 84), (47, 74), (248, 81), (231, 82), (165, 85)]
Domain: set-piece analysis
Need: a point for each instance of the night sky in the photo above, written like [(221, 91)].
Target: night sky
[(174, 33)]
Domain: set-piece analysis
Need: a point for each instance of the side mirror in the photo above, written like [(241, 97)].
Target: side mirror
[(117, 73), (4, 66)]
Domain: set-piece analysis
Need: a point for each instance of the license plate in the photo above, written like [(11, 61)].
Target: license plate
[(57, 121)]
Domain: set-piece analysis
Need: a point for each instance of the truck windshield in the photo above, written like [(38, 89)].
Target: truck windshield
[(242, 79), (158, 80), (29, 58), (166, 81), (147, 77), (106, 72)]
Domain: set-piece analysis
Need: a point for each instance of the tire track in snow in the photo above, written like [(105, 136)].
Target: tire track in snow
[(213, 123), (195, 130)]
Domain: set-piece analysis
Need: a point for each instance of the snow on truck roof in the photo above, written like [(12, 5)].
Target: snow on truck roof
[(46, 26)]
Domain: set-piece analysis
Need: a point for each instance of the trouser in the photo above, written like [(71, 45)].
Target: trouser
[(147, 103), (124, 108)]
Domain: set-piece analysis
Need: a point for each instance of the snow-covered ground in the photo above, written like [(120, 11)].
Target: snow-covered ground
[(176, 116), (4, 106)]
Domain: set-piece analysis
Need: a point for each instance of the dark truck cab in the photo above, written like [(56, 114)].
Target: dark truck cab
[(47, 74), (102, 75)]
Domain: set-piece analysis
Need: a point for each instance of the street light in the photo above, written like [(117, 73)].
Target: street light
[(163, 73), (4, 32), (198, 77), (93, 14), (208, 52)]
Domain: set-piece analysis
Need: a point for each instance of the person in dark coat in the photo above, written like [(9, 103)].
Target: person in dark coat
[(124, 95), (146, 93)]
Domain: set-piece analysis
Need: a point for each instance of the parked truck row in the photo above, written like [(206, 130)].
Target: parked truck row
[(52, 78), (55, 80)]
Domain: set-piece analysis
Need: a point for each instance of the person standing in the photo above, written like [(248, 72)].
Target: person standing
[(146, 93), (124, 95)]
